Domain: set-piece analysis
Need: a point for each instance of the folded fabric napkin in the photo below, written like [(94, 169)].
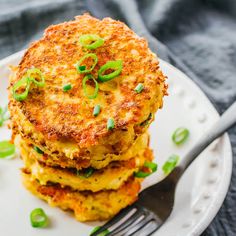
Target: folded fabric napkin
[(198, 36)]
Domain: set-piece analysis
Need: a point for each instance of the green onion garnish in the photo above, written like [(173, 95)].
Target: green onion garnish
[(139, 88), (103, 233), (24, 84), (151, 165), (170, 164), (38, 150), (85, 79), (6, 149), (86, 173), (180, 135), (34, 73), (141, 174), (147, 121), (38, 218), (82, 68), (116, 66), (67, 87), (110, 124), (91, 41), (96, 110)]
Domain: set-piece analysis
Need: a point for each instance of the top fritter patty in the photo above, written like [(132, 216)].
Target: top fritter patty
[(68, 115)]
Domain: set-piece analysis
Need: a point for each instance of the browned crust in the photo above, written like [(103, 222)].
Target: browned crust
[(87, 206), (56, 158), (70, 116), (111, 177)]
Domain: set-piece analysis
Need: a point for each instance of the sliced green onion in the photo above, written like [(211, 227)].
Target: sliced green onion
[(24, 82), (110, 124), (82, 68), (96, 110), (139, 88), (180, 135), (91, 41), (85, 79), (38, 150), (170, 164), (38, 218), (110, 65), (103, 233), (141, 174), (86, 173), (67, 87), (151, 165), (6, 149), (35, 72), (147, 121)]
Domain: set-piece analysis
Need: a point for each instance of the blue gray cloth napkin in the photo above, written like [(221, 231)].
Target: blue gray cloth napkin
[(198, 36)]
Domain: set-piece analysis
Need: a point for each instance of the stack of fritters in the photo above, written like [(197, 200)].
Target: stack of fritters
[(72, 158)]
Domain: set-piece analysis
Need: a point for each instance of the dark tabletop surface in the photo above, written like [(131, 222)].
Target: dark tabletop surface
[(198, 36)]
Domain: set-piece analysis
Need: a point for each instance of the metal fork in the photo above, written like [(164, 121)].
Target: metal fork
[(155, 203)]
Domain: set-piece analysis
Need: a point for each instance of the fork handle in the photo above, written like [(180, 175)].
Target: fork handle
[(225, 122)]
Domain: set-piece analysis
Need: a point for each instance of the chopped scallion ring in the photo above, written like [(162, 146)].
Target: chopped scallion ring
[(38, 150), (38, 218), (25, 83), (67, 87), (141, 174), (85, 79), (147, 121), (34, 73), (180, 135), (96, 110), (116, 66), (6, 149), (85, 173), (82, 68), (139, 88), (150, 165), (110, 124), (103, 233), (91, 41), (170, 164)]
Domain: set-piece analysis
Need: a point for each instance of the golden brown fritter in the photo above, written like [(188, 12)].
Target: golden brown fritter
[(56, 157), (110, 177), (67, 117), (86, 205)]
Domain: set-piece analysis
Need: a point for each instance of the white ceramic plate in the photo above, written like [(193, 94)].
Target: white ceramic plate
[(199, 195)]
